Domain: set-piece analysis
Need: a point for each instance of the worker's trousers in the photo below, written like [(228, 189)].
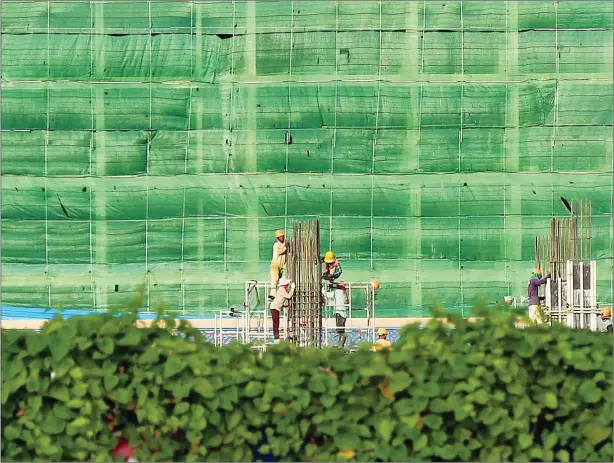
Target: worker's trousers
[(276, 272), (275, 316), (533, 314)]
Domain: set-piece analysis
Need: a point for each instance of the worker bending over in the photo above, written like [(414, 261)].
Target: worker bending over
[(284, 293), (278, 262), (382, 342), (534, 283), (335, 294), (606, 319)]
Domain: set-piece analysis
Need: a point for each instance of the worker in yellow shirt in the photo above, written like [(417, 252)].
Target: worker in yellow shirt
[(278, 262), (382, 342)]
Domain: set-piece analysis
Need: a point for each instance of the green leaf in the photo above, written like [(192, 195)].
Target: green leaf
[(110, 382), (203, 387), (77, 425), (385, 428), (151, 355), (75, 403), (173, 365), (253, 389), (53, 425), (347, 441), (105, 345), (35, 343), (589, 392), (525, 441), (123, 395), (550, 400), (595, 433), (181, 408), (132, 338), (63, 412), (110, 328), (59, 348), (550, 441), (399, 382), (60, 393), (11, 433), (433, 421), (563, 455), (33, 384)]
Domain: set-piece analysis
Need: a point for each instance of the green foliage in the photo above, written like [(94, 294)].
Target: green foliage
[(484, 391)]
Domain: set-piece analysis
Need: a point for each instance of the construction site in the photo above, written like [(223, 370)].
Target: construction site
[(439, 151)]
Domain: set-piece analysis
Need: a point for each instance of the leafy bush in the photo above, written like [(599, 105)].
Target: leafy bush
[(484, 391)]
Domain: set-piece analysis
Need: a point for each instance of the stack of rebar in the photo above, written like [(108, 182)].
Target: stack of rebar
[(570, 239), (304, 268)]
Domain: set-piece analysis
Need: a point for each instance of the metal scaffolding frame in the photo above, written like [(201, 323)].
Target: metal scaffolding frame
[(235, 331), (367, 308), (573, 300), (256, 319)]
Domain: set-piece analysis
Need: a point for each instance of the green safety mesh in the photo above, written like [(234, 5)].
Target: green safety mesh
[(147, 142)]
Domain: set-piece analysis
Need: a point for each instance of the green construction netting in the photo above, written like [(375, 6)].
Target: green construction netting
[(146, 142)]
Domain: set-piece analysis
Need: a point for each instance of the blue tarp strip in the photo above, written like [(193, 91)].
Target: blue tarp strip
[(37, 313)]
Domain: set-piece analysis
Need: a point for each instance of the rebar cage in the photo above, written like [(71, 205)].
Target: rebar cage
[(573, 299)]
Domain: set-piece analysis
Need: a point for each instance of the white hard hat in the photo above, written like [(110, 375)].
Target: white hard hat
[(283, 281)]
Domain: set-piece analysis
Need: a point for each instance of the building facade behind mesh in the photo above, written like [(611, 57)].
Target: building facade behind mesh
[(164, 143)]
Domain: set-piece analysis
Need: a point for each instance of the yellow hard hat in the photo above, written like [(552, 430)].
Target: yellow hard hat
[(329, 257), (607, 312), (279, 233), (382, 332), (375, 285)]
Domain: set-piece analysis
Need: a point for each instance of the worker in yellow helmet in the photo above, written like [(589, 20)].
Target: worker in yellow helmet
[(332, 267), (335, 294), (278, 262), (606, 319), (382, 342)]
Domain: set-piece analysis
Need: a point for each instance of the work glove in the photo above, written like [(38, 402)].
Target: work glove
[(548, 276), (293, 285)]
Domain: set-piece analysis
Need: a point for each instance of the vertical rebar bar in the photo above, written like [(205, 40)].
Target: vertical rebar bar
[(570, 239)]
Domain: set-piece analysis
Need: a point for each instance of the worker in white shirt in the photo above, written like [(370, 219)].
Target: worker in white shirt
[(278, 262), (284, 293), (382, 342)]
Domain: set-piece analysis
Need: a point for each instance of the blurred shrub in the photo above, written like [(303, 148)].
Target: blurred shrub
[(484, 391)]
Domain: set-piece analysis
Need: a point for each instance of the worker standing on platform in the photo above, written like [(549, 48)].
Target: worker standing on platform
[(278, 262), (284, 293), (606, 319), (335, 294), (534, 283), (382, 342)]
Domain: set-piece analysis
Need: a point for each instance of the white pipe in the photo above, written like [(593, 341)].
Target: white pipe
[(582, 320)]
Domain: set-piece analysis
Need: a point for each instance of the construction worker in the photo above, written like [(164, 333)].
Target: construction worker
[(335, 294), (278, 262), (534, 283), (606, 319), (332, 267), (382, 342), (283, 294)]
